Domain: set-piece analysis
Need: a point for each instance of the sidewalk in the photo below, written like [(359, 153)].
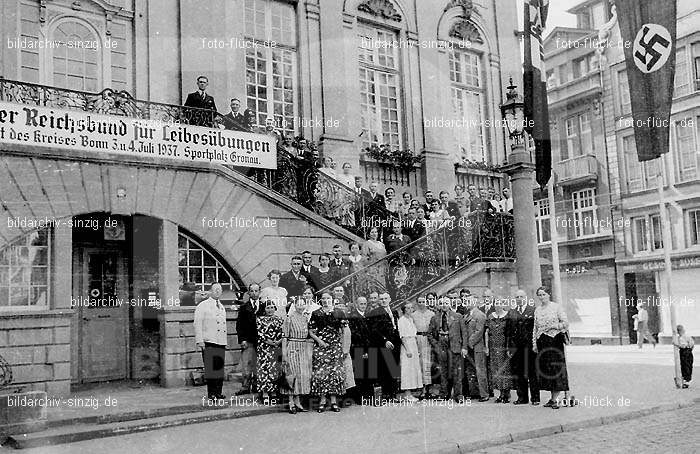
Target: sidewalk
[(611, 383)]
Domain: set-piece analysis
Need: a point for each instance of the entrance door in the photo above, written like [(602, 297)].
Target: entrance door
[(103, 318)]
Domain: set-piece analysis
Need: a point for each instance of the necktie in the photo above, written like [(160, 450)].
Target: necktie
[(444, 322), (203, 95), (218, 305), (391, 316)]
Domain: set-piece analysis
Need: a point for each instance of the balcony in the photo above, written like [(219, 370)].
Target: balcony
[(577, 170), (582, 88)]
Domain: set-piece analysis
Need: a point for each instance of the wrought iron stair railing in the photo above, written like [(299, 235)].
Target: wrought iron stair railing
[(297, 176), (477, 237)]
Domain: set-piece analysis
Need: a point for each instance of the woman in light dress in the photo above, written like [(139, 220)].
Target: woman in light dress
[(375, 274), (411, 373), (296, 351), (275, 293), (421, 318), (358, 261)]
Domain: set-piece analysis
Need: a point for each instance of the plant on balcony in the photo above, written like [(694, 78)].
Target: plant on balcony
[(478, 165), (403, 159)]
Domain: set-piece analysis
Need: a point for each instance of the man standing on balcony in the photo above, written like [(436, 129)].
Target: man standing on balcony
[(507, 201), (461, 200), (293, 280), (200, 99), (361, 208), (376, 206), (386, 343), (210, 337), (445, 336), (247, 329), (237, 121)]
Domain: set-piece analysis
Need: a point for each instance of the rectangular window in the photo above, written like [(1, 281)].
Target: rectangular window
[(694, 227), (271, 74), (542, 221), (580, 67), (624, 99), (24, 271), (572, 140), (696, 65), (563, 73), (467, 104), (685, 148), (640, 235), (640, 175), (379, 88), (647, 235), (657, 239), (586, 134), (585, 213), (552, 79), (681, 84), (598, 15)]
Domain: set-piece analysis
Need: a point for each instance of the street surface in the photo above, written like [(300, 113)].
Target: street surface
[(606, 380)]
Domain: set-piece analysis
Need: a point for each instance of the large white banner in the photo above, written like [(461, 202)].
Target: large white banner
[(134, 137)]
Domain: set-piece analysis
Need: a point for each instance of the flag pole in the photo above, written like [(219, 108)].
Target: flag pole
[(554, 241), (668, 244)]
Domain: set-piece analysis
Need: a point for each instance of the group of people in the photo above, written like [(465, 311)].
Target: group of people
[(342, 352)]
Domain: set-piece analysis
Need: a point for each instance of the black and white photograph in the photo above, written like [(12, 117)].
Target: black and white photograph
[(349, 226)]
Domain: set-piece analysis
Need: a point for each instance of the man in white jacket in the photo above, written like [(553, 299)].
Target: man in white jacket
[(210, 336)]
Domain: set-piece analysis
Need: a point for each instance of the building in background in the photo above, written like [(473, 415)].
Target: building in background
[(613, 261), (347, 75)]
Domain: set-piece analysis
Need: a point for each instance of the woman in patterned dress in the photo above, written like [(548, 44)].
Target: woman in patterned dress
[(411, 373), (268, 350), (328, 374), (421, 318), (499, 360), (296, 352)]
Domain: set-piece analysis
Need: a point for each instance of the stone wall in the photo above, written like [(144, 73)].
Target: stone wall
[(179, 355), (37, 347)]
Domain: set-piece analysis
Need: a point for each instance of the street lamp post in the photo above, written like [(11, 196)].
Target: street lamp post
[(520, 169)]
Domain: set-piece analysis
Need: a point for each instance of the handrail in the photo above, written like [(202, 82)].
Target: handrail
[(478, 236)]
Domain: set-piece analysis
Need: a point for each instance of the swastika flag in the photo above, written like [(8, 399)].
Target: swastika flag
[(650, 27)]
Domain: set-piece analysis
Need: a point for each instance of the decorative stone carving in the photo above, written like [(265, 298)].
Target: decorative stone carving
[(466, 31), (466, 5), (380, 8)]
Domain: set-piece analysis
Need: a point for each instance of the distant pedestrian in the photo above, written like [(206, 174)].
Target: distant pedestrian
[(641, 324), (685, 345)]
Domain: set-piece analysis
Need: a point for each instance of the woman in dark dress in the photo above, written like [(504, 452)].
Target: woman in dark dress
[(268, 350), (328, 373), (325, 277), (548, 340), (499, 359)]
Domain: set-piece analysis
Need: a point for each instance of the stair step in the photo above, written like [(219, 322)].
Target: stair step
[(73, 433)]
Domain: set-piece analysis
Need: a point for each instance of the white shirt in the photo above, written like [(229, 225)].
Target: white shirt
[(210, 322)]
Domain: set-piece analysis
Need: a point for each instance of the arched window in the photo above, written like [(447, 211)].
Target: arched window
[(24, 271), (468, 103), (197, 264), (75, 57)]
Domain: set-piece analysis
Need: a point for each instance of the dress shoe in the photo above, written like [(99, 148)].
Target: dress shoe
[(519, 402), (459, 398), (549, 403), (301, 409), (535, 402), (321, 409), (498, 401), (334, 408), (292, 411), (483, 399)]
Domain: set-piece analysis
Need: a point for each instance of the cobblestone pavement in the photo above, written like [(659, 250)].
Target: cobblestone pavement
[(672, 431)]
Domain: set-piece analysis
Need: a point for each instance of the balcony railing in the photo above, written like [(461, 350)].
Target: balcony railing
[(578, 169), (582, 87), (296, 177), (477, 237)]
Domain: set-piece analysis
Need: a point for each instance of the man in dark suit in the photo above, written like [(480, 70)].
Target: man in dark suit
[(474, 352), (361, 208), (487, 305), (377, 204), (359, 349), (247, 329), (310, 271), (386, 343), (200, 99), (293, 280), (450, 206), (476, 202), (519, 325), (339, 266), (428, 205), (445, 336), (237, 121), (412, 227)]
